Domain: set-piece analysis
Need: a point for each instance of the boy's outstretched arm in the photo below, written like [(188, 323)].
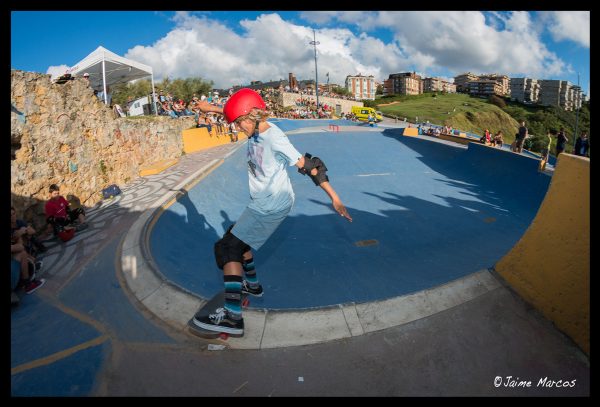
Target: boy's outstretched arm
[(306, 163)]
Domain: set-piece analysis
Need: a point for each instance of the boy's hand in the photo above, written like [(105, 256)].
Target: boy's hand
[(341, 209)]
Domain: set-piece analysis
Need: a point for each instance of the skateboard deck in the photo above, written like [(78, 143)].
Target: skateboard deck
[(217, 301)]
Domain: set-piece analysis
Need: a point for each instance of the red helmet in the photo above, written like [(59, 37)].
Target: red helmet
[(241, 103)]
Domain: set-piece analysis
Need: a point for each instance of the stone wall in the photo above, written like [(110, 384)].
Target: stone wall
[(289, 99), (62, 134)]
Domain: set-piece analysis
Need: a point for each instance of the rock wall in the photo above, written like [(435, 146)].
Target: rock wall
[(62, 134)]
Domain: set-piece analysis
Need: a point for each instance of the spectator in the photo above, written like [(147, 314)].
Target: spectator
[(582, 145), (520, 138), (561, 140), (234, 132), (485, 139), (498, 140), (22, 261), (545, 153), (20, 229), (58, 213)]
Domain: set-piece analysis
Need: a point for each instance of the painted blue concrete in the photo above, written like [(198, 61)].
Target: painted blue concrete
[(32, 338), (438, 212), (288, 125), (107, 304), (39, 330), (73, 376)]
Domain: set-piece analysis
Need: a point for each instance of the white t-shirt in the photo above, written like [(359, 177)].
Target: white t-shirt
[(268, 154)]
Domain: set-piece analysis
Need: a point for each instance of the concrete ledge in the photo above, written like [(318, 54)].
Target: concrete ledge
[(157, 167)]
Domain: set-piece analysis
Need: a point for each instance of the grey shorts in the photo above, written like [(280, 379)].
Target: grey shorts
[(254, 228)]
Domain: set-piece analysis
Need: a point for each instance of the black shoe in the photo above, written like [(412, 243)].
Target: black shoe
[(256, 291), (41, 248), (219, 321)]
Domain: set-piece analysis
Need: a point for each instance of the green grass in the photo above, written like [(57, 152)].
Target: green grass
[(460, 111)]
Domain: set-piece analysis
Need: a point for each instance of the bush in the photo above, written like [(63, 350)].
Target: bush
[(498, 101)]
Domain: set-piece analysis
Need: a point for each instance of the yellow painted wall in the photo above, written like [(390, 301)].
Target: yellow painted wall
[(550, 266), (457, 139), (200, 139), (157, 167), (410, 131)]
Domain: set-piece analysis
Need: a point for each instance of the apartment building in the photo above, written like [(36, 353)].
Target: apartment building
[(448, 87), (550, 92), (461, 81), (484, 87), (361, 87), (503, 81), (438, 85), (524, 90), (405, 83)]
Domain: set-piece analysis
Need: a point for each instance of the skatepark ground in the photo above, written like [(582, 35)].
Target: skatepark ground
[(408, 306)]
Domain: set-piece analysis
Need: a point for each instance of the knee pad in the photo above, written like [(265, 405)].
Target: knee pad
[(229, 249)]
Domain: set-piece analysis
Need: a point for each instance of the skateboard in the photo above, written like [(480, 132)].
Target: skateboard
[(215, 302)]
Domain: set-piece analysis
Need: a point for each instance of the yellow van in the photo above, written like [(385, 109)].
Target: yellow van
[(362, 113)]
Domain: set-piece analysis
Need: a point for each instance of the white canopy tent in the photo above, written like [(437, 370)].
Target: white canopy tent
[(107, 68)]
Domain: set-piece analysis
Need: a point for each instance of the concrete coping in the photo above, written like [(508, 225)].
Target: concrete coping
[(267, 328)]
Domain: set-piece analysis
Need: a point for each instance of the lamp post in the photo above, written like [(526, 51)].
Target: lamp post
[(315, 43), (576, 113)]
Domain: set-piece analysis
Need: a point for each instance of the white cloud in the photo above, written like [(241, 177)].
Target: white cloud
[(268, 49), (56, 71), (462, 41), (433, 42), (569, 25)]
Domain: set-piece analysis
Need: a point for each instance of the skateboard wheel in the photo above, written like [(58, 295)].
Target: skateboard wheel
[(223, 336), (245, 302)]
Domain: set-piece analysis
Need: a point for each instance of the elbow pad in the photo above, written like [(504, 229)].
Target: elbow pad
[(310, 163)]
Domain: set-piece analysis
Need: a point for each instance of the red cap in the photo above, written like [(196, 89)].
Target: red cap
[(241, 103)]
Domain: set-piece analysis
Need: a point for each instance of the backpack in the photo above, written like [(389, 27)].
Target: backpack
[(110, 191)]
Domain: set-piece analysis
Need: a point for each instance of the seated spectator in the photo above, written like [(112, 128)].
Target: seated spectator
[(21, 230), (498, 140), (58, 213), (233, 131), (485, 139), (27, 267)]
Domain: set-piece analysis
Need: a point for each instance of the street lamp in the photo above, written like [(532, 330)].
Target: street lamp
[(577, 112), (315, 43)]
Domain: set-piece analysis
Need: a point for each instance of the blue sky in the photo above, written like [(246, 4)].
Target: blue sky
[(235, 47)]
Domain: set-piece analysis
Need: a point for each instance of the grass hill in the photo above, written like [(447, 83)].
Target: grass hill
[(474, 115), (460, 111)]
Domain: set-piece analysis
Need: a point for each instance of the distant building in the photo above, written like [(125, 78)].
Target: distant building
[(438, 85), (484, 87), (502, 80), (361, 87), (524, 90), (461, 81), (404, 83)]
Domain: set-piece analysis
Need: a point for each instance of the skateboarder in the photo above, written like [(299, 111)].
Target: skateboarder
[(268, 152)]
